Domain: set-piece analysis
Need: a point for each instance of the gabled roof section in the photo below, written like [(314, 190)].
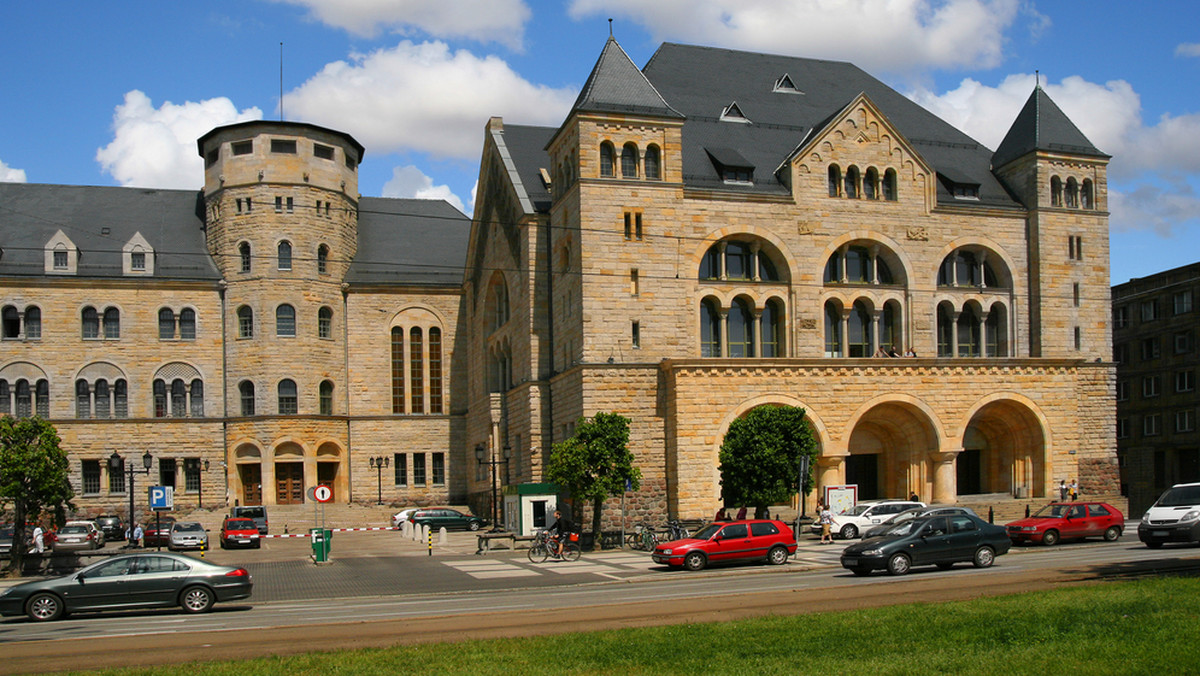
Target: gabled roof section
[(733, 113), (1042, 125), (409, 242), (616, 85)]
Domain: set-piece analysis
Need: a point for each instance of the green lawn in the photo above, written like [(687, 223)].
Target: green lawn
[(1142, 627)]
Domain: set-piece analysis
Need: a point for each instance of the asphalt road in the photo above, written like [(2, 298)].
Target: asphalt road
[(386, 593)]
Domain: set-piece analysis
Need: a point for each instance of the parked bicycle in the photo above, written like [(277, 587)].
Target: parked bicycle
[(641, 537), (545, 546)]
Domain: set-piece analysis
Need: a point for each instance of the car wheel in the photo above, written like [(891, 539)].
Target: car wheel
[(223, 545), (946, 565), (1112, 534), (44, 607), (1154, 545), (899, 564), (694, 561), (777, 556), (474, 525), (1050, 538), (861, 572), (258, 544), (849, 532), (196, 600), (984, 557)]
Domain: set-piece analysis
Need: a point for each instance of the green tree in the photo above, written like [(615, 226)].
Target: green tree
[(33, 476), (595, 462), (760, 456)]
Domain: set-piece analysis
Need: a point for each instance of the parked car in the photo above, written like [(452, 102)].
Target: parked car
[(256, 512), (76, 535), (112, 527), (449, 519), (725, 541), (1068, 520), (907, 514), (187, 535), (157, 531), (1174, 517), (6, 540), (864, 516), (929, 540), (239, 532), (144, 580), (400, 517)]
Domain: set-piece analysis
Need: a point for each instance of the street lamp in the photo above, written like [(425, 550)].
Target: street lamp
[(378, 463), (479, 453), (117, 464)]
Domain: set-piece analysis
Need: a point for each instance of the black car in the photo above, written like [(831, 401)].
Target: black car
[(449, 519), (146, 580), (112, 526), (925, 541)]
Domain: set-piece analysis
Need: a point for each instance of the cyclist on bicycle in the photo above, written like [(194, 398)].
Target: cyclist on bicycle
[(560, 530)]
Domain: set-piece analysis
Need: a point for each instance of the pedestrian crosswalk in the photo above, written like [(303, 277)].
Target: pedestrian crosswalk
[(609, 565)]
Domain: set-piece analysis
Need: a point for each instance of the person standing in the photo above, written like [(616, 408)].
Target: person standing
[(826, 518), (39, 539), (1074, 490), (138, 534), (1062, 490)]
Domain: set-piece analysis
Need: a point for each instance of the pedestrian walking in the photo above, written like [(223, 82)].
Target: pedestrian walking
[(39, 539), (1063, 491), (826, 518)]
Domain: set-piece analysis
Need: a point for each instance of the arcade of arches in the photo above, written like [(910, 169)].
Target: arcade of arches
[(280, 476)]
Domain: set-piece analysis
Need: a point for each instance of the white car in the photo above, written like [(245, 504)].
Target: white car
[(400, 517), (864, 516), (901, 517)]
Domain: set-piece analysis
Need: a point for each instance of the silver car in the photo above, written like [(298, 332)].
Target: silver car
[(78, 535), (187, 535)]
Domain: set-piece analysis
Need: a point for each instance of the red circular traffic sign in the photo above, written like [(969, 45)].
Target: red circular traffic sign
[(322, 493)]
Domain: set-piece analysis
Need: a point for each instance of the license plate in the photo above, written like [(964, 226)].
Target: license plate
[(1160, 533), (850, 562), (659, 559), (243, 542)]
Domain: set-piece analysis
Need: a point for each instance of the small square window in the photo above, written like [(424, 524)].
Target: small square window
[(322, 152), (61, 260), (286, 146), (137, 261), (243, 147), (1183, 302)]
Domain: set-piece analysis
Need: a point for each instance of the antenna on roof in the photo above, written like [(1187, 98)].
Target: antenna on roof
[(610, 27), (1037, 79), (281, 82)]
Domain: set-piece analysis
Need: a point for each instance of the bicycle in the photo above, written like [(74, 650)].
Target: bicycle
[(634, 538), (544, 547)]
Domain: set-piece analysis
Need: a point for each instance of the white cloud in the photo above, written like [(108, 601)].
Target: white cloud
[(501, 21), (423, 97), (409, 181), (10, 175), (1149, 206), (156, 147), (895, 36), (1188, 49)]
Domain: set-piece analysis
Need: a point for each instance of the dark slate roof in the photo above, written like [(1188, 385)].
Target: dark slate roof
[(1042, 125), (409, 241), (701, 82), (526, 149), (617, 86), (100, 221)]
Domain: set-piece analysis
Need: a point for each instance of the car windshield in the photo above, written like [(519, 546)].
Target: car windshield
[(901, 528), (1180, 496), (858, 510), (1052, 511), (189, 527), (240, 524), (708, 531)]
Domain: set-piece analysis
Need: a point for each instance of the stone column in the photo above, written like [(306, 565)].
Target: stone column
[(945, 480), (954, 332), (756, 325), (724, 312), (830, 470)]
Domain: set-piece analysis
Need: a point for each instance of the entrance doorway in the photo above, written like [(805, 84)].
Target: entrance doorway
[(251, 476), (289, 483), (969, 472), (326, 474), (863, 469)]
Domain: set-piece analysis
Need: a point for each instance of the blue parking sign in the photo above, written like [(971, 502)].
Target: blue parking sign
[(162, 498)]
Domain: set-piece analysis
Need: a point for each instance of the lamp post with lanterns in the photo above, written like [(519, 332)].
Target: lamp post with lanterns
[(378, 463), (117, 464), (480, 452)]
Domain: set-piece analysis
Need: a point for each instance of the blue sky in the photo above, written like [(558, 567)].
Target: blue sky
[(116, 93)]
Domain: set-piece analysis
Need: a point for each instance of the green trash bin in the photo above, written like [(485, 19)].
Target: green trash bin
[(322, 538)]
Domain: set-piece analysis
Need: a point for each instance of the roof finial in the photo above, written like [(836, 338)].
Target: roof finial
[(610, 27), (1037, 79)]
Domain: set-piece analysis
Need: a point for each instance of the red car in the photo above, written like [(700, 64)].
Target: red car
[(239, 532), (157, 531), (755, 540), (1059, 520)]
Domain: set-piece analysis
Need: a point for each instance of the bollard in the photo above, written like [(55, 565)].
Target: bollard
[(1026, 511), (430, 542), (991, 516)]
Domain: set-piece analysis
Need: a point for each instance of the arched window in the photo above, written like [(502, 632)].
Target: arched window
[(968, 332), (288, 398), (103, 399), (246, 395), (285, 320), (1087, 198), (285, 255), (608, 159), (739, 260), (325, 323), (710, 328), (160, 398), (741, 329), (112, 323), (326, 397), (997, 331), (244, 254), (629, 161), (166, 324), (1072, 196), (858, 264), (498, 302), (835, 180), (771, 328), (653, 163), (11, 322), (890, 338), (416, 371), (187, 324), (860, 330), (435, 370), (322, 260), (397, 370), (1056, 191), (120, 399), (871, 184), (83, 398), (196, 399), (851, 183), (833, 329), (945, 330), (91, 323), (890, 186), (973, 268), (245, 322), (43, 398), (179, 407)]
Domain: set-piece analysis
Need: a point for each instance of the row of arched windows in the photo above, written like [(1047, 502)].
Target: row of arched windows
[(1072, 194), (287, 398), (742, 330), (854, 184), (283, 257), (417, 379), (633, 163), (285, 321), (16, 323), (22, 399)]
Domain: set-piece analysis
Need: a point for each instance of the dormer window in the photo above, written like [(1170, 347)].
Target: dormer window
[(61, 259), (137, 257), (960, 186), (784, 85), (731, 166), (733, 113), (137, 261), (61, 255)]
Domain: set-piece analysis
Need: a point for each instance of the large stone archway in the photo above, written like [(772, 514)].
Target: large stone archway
[(892, 452), (1004, 451)]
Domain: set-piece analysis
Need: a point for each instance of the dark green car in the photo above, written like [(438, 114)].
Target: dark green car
[(940, 541), (442, 517)]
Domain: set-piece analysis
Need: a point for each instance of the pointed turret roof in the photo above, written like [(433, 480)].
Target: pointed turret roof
[(616, 85), (1042, 125)]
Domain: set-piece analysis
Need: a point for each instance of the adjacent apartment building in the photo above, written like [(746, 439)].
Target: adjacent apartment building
[(1154, 345), (715, 231)]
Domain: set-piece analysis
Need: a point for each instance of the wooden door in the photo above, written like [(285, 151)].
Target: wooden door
[(251, 476), (289, 483)]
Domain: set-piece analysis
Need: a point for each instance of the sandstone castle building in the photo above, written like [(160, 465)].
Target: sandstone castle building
[(716, 231)]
